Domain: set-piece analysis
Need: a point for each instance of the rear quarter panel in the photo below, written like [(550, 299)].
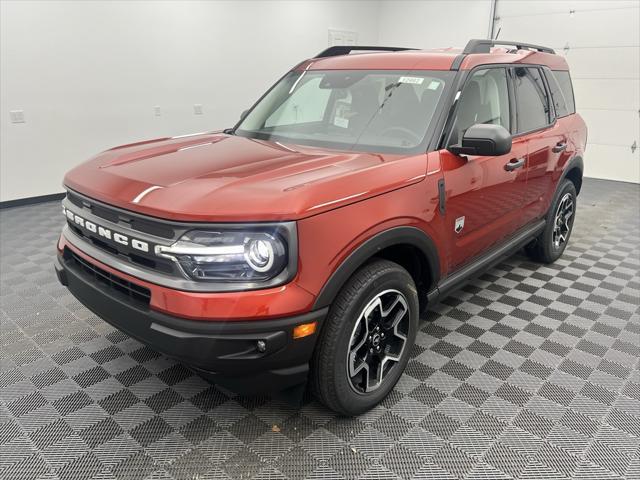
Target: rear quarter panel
[(575, 131), (547, 168)]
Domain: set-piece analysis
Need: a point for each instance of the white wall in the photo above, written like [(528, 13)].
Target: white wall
[(601, 41), (433, 23), (88, 73)]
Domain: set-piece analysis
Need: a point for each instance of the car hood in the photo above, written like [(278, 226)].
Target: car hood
[(218, 177)]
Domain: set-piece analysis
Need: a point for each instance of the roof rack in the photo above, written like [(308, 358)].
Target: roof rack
[(347, 49), (484, 46)]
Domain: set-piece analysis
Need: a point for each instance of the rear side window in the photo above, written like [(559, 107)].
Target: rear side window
[(557, 96), (532, 104), (564, 80)]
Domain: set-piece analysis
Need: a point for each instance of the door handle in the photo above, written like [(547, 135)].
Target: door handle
[(514, 163), (560, 147)]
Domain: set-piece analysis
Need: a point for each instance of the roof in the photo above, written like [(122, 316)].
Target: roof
[(404, 60), (338, 58)]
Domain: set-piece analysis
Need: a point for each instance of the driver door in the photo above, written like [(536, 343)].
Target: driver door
[(484, 195)]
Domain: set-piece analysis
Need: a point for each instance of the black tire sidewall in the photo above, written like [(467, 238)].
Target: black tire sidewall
[(352, 401)]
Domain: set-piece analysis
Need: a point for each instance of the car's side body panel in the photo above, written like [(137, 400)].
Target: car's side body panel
[(484, 199), (329, 239)]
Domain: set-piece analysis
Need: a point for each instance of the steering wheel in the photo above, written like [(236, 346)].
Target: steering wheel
[(404, 130)]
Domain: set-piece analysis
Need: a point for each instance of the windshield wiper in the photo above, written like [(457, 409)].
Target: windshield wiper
[(389, 89)]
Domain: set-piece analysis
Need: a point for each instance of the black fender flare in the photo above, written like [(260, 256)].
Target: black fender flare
[(394, 236), (574, 162)]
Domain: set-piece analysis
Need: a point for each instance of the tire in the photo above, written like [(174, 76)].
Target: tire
[(385, 290), (546, 248)]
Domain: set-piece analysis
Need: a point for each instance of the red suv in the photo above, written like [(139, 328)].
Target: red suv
[(305, 241)]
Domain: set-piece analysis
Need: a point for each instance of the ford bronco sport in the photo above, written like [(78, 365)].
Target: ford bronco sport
[(305, 241)]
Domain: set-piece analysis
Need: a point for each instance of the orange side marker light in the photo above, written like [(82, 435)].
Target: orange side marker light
[(304, 330)]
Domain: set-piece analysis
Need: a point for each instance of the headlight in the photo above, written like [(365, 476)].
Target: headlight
[(235, 255)]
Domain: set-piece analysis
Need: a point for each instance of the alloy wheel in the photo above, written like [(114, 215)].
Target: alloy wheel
[(563, 221), (378, 340)]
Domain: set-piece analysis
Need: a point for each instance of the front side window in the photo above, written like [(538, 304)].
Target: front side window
[(484, 99), (531, 99), (377, 111)]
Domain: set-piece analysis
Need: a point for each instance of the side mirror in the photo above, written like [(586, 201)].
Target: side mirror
[(484, 140), (244, 114)]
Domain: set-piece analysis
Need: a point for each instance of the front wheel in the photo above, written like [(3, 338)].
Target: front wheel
[(366, 340), (550, 244)]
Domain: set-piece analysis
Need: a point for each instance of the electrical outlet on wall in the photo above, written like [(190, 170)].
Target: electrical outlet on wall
[(17, 116), (197, 109), (157, 111)]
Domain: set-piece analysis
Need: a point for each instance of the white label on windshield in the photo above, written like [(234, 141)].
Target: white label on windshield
[(434, 85), (414, 80), (341, 118), (341, 122)]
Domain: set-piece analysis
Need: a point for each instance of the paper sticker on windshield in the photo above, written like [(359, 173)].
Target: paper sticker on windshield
[(414, 80), (433, 85), (341, 122), (341, 117)]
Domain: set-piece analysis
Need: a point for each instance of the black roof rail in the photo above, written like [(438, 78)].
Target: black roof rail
[(347, 49), (479, 45)]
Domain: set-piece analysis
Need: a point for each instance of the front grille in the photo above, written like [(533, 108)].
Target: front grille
[(113, 215), (144, 260), (127, 223), (96, 275)]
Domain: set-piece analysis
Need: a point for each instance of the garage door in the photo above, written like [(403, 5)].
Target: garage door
[(600, 40)]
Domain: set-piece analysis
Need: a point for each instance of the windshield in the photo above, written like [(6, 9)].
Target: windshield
[(376, 111)]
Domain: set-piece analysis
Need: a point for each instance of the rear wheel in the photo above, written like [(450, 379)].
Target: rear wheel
[(550, 244), (365, 342)]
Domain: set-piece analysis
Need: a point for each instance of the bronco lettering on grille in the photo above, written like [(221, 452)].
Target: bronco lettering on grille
[(106, 232)]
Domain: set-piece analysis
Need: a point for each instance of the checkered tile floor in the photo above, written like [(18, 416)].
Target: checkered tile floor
[(530, 372)]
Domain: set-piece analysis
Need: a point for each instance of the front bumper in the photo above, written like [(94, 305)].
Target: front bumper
[(226, 352)]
